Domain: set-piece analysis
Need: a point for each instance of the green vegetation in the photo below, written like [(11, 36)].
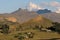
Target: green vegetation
[(19, 36), (5, 29), (57, 27), (24, 35)]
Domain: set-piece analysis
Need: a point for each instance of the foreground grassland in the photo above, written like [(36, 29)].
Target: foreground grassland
[(37, 35)]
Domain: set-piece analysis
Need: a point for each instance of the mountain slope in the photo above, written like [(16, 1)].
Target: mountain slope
[(23, 15), (38, 21), (55, 17)]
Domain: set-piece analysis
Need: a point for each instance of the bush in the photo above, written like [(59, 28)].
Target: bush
[(19, 36), (56, 25), (29, 34), (5, 29)]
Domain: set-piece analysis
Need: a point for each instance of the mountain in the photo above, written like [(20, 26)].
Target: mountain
[(26, 18), (23, 15), (38, 21), (43, 11), (20, 15), (55, 17)]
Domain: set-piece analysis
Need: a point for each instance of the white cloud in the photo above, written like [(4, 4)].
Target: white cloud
[(34, 6), (54, 4), (58, 10)]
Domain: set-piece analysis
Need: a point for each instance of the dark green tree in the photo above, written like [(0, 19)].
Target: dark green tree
[(5, 29), (57, 27)]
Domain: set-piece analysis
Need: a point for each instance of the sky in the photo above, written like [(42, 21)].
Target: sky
[(7, 6)]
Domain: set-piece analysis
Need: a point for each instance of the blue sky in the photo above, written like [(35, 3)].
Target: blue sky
[(12, 5)]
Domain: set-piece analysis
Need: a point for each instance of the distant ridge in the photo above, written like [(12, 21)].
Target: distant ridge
[(43, 11)]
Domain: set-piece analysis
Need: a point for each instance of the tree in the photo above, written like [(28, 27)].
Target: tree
[(57, 26), (5, 29)]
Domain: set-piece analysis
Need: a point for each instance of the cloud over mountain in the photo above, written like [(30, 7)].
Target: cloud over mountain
[(53, 4), (34, 6)]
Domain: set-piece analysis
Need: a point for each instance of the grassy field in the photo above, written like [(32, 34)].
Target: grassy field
[(37, 35)]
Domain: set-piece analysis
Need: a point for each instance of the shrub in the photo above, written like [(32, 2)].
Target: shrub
[(29, 34), (5, 29), (19, 36)]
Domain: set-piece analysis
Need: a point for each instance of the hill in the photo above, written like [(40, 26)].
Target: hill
[(38, 21)]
